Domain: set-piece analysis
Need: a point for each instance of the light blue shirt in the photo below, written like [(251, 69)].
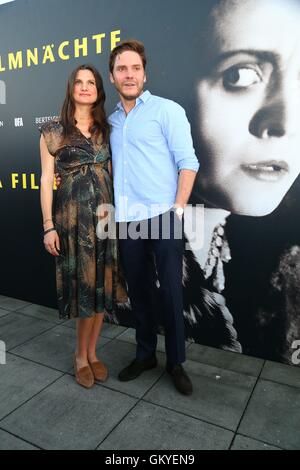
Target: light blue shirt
[(150, 146)]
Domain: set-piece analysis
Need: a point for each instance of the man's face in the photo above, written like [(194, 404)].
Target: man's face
[(128, 75), (248, 106)]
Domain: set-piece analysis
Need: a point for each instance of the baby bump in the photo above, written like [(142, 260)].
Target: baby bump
[(86, 185)]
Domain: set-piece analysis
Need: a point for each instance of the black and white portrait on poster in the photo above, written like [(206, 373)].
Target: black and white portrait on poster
[(242, 286)]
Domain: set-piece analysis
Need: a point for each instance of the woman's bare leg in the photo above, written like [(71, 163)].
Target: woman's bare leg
[(94, 337), (84, 329)]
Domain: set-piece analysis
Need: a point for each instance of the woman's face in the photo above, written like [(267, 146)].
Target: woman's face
[(249, 105), (85, 88)]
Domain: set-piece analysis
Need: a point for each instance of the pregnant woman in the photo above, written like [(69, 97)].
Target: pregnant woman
[(76, 146)]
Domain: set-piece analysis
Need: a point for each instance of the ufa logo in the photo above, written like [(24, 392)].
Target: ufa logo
[(2, 92), (19, 122)]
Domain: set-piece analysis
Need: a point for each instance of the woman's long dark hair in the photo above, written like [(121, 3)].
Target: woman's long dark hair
[(100, 125)]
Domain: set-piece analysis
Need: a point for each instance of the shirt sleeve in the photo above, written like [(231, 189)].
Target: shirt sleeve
[(177, 131)]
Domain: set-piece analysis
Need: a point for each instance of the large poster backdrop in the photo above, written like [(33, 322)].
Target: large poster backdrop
[(234, 66)]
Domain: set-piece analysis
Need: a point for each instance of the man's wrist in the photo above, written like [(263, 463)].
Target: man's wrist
[(178, 209)]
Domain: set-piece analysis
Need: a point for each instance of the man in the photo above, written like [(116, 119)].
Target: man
[(154, 166)]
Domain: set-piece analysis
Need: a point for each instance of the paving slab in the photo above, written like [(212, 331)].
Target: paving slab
[(273, 415), (16, 329), (225, 359), (108, 330), (7, 303), (3, 312), (287, 375), (66, 416), (10, 442), (21, 380), (129, 336), (245, 443), (150, 427), (42, 313), (220, 396), (54, 349)]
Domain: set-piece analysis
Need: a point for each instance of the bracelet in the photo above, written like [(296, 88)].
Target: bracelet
[(53, 229), (47, 220)]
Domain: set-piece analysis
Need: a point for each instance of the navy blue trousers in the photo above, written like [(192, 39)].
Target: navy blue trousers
[(168, 255)]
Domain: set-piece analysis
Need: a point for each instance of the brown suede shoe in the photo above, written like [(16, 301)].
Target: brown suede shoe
[(84, 376), (100, 371)]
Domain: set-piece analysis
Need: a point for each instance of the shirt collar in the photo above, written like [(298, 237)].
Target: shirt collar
[(143, 98)]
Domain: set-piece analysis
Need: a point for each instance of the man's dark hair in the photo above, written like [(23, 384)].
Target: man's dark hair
[(130, 45)]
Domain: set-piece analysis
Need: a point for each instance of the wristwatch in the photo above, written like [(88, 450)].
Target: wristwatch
[(179, 211)]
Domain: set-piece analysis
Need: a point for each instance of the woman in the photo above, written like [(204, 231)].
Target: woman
[(77, 147), (248, 135)]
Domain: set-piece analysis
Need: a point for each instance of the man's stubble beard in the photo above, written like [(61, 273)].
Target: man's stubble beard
[(130, 97)]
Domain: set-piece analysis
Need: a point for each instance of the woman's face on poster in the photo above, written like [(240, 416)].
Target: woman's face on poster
[(248, 102)]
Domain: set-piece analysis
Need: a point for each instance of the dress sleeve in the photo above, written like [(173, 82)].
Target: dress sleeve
[(51, 136)]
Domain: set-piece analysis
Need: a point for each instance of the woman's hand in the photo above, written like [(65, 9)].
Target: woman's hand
[(57, 180), (52, 243)]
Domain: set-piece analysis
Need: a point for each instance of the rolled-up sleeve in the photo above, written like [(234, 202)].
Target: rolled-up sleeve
[(177, 131)]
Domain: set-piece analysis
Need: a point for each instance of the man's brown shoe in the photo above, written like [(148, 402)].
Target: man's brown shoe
[(84, 376), (100, 371)]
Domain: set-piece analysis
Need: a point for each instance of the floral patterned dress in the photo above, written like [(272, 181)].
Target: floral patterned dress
[(87, 270)]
